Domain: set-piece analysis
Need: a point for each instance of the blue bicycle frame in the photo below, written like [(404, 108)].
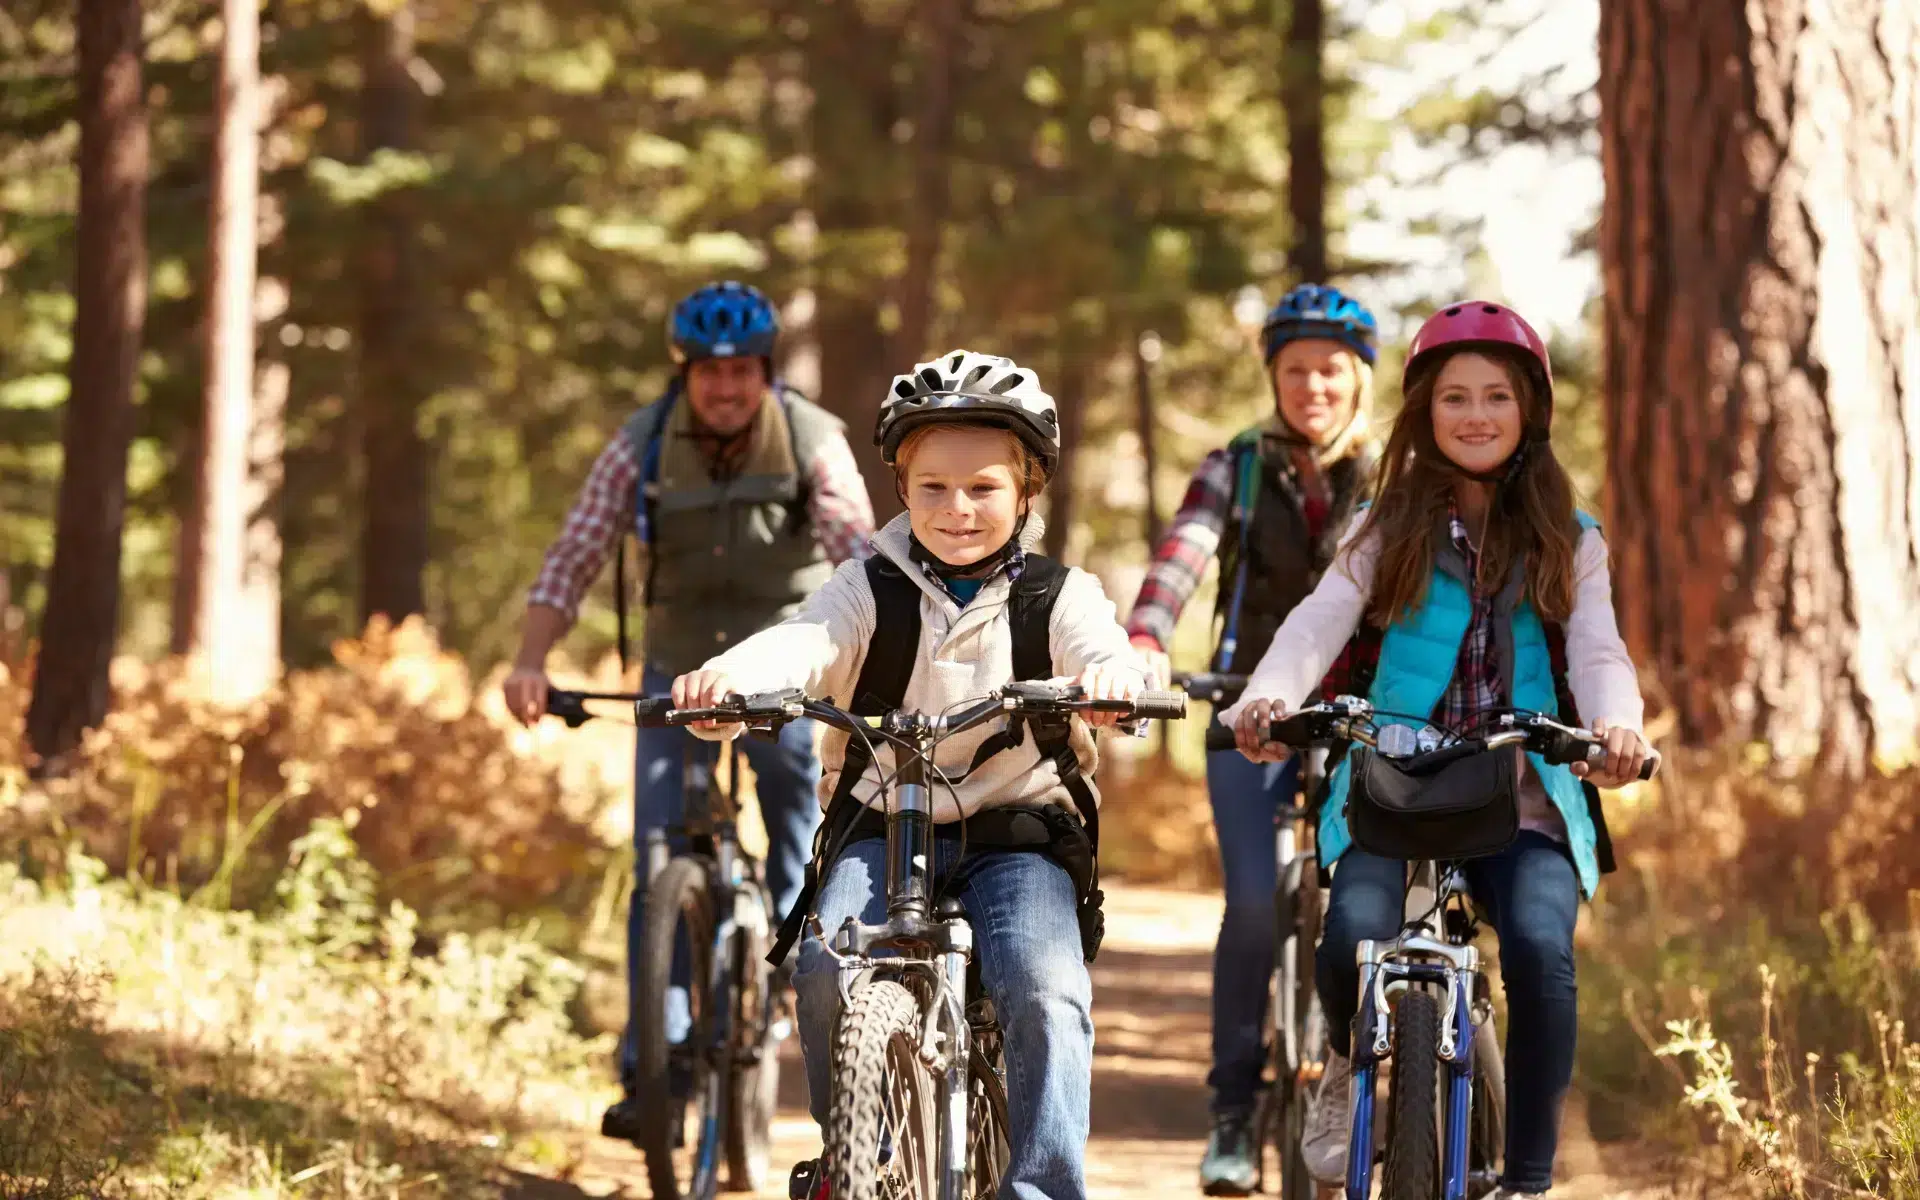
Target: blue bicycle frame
[(1419, 957)]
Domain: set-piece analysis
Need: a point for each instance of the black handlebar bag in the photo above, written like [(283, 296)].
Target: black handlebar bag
[(1437, 806)]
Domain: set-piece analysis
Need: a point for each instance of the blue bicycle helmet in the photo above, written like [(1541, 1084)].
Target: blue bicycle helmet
[(723, 320), (1315, 310)]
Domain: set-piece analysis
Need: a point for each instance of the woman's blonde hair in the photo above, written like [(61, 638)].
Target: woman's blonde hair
[(1029, 473)]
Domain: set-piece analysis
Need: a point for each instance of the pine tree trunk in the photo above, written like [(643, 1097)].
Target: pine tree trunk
[(1762, 166), (394, 543), (1303, 94), (70, 690), (1070, 385), (942, 28), (233, 622)]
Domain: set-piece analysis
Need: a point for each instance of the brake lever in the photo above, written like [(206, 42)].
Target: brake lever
[(570, 707)]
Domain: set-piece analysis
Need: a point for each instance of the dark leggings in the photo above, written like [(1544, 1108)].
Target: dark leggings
[(1532, 894)]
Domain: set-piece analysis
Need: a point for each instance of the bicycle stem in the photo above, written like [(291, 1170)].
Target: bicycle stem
[(910, 827)]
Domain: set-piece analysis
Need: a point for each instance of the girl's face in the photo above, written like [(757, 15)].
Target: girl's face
[(1477, 420), (963, 492), (1317, 385)]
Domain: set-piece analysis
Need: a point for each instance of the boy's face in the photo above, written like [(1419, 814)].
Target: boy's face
[(963, 493)]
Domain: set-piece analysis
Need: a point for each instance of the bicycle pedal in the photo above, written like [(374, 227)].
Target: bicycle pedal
[(806, 1177)]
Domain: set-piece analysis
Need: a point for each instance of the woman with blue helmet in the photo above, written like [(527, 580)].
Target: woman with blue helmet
[(1269, 506)]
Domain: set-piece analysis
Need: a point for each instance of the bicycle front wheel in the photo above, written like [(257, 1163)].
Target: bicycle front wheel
[(882, 1124), (1413, 1106), (1487, 1131), (677, 1118), (754, 1090)]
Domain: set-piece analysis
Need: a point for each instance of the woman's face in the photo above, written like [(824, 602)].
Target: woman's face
[(963, 492), (1477, 421), (1317, 385)]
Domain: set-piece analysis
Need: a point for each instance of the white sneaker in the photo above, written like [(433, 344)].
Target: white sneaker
[(1329, 1123)]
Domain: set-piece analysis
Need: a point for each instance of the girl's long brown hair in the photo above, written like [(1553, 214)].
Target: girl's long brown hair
[(1531, 519)]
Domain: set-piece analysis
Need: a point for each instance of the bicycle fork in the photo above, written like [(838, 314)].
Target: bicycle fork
[(1391, 967)]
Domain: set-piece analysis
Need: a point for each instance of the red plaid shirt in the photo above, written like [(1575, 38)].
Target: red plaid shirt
[(841, 512), (1476, 684), (1181, 558)]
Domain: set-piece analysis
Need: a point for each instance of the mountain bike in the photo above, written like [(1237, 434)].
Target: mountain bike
[(1426, 1008), (711, 1095), (1296, 1029), (919, 1109)]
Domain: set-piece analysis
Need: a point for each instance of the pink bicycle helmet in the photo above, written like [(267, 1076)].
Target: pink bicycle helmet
[(1472, 323)]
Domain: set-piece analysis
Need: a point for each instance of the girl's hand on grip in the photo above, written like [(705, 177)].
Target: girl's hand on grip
[(1250, 731)]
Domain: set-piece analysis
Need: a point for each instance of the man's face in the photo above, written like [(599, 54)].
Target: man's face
[(726, 392)]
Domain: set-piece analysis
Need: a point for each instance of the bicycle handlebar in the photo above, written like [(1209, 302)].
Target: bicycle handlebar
[(1351, 719), (1021, 699), (1210, 686)]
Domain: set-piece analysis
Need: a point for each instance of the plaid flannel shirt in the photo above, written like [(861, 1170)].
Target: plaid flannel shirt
[(1181, 558), (838, 504), (1475, 687)]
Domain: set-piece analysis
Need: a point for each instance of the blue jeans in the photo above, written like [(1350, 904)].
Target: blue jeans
[(1247, 798), (785, 775), (1022, 910), (1532, 894)]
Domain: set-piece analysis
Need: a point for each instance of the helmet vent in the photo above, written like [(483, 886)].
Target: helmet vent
[(1008, 384), (974, 376), (930, 378), (1490, 310), (903, 389), (1454, 311), (954, 365)]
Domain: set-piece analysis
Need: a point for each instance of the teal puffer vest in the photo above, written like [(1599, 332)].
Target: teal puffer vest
[(1417, 657)]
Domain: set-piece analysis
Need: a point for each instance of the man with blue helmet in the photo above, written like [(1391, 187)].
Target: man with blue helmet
[(1270, 507), (743, 496)]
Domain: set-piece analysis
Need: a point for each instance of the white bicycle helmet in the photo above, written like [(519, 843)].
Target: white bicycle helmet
[(964, 386)]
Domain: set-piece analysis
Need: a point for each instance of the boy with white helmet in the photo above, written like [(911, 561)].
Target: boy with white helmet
[(972, 439)]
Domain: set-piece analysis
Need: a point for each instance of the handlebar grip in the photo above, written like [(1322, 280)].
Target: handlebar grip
[(1165, 706), (652, 711), (1298, 730), (570, 707), (1597, 757), (1220, 737)]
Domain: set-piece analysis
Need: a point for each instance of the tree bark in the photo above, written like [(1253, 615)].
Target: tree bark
[(849, 137), (1072, 377), (1303, 93), (232, 613), (394, 543), (1146, 351), (942, 28), (1762, 166), (71, 688)]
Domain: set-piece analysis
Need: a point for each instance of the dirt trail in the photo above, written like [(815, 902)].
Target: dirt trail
[(1151, 987)]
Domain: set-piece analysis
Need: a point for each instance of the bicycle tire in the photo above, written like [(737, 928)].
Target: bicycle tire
[(883, 1100), (677, 899), (1292, 1083), (989, 1149), (1412, 1168), (753, 1091), (1487, 1129)]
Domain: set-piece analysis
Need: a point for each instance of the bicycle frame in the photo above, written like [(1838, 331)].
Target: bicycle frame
[(1420, 955), (925, 943)]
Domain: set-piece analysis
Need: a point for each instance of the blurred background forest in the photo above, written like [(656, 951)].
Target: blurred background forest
[(314, 313)]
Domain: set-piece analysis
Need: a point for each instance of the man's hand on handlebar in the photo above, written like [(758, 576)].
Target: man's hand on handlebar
[(526, 692), (1627, 752), (703, 689), (1250, 731), (1107, 681)]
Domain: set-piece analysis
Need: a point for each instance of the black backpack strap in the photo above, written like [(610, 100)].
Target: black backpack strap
[(1569, 712), (881, 688)]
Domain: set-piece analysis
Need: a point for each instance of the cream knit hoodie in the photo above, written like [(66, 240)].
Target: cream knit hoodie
[(964, 654)]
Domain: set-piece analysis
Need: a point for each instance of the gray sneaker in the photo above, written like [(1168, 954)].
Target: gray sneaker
[(1329, 1121), (1232, 1163)]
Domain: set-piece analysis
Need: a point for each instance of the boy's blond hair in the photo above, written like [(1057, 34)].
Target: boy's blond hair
[(1029, 474)]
